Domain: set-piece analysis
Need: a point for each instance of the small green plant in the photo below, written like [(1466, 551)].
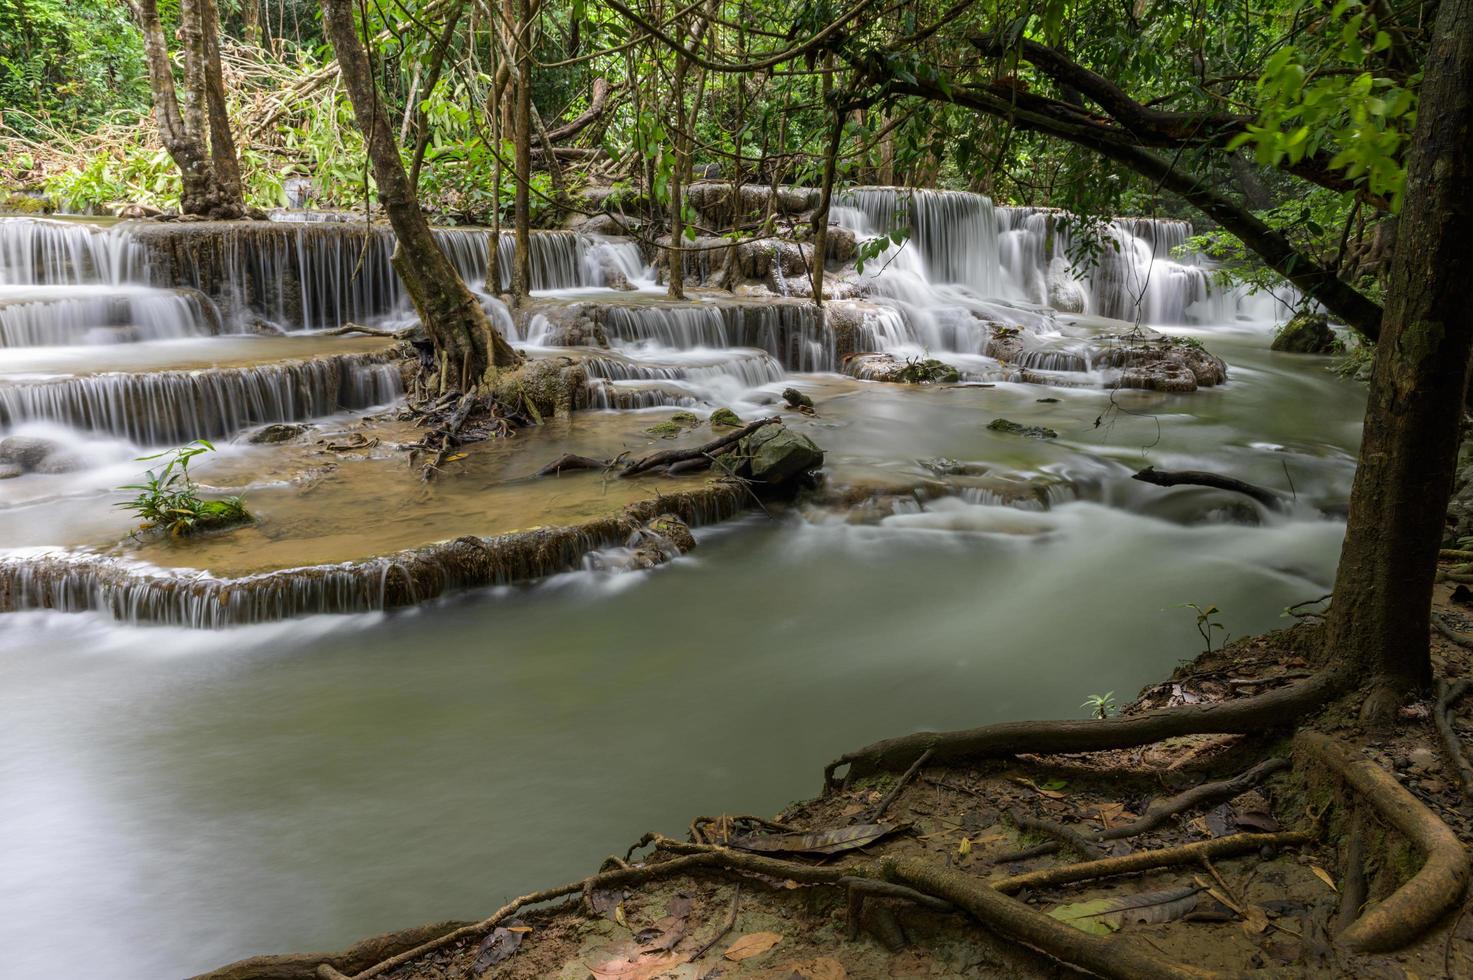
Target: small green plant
[(169, 499), (1206, 624), (1100, 706)]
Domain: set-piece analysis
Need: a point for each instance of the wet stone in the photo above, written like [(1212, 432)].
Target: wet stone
[(280, 432), (1018, 429)]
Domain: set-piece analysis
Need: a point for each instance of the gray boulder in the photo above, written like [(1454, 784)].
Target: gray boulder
[(777, 455), (26, 452)]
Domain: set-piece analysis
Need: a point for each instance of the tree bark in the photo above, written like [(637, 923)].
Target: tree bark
[(521, 275), (467, 345), (196, 136), (1379, 620)]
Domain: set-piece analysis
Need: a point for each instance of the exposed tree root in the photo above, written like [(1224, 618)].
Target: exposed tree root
[(1271, 499), (1217, 847), (1010, 918), (1433, 891), (360, 956), (1457, 636), (1244, 716), (1447, 696), (569, 462), (1062, 836), (874, 815), (1208, 794)]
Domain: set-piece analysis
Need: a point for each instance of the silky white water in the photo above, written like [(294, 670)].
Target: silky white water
[(197, 796)]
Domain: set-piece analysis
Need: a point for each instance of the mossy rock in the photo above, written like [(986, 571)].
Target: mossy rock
[(796, 398), (216, 515), (1306, 333), (777, 455), (544, 388), (927, 372), (674, 425), (1018, 429), (725, 417), (17, 202)]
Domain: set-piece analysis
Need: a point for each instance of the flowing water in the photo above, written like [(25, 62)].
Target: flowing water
[(196, 796)]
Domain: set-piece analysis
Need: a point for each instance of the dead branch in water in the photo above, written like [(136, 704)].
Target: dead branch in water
[(1271, 499), (667, 456)]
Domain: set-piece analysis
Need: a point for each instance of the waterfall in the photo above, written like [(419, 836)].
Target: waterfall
[(40, 251), (314, 275), (55, 316), (795, 334), (961, 250), (170, 407)]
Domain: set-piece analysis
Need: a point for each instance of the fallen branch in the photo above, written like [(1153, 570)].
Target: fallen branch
[(667, 456), (348, 328), (1271, 499), (1279, 708), (1434, 890), (1217, 847), (1447, 696)]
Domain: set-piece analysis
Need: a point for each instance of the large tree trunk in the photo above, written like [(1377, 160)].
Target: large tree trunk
[(467, 345), (197, 136), (521, 275), (1378, 623)]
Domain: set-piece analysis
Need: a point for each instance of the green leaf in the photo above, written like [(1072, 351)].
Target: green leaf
[(1102, 916)]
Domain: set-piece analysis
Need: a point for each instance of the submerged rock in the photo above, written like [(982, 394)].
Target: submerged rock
[(1018, 429), (60, 462), (9, 471), (674, 425), (1306, 333), (279, 432), (26, 452)]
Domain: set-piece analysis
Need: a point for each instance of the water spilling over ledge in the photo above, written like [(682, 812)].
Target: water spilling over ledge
[(165, 407), (137, 593)]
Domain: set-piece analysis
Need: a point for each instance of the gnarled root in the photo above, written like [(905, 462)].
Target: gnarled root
[(1105, 956), (1206, 795), (1244, 716), (360, 956), (1216, 847), (1447, 696), (1433, 891)]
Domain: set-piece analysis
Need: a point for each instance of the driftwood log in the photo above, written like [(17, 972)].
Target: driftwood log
[(1271, 499)]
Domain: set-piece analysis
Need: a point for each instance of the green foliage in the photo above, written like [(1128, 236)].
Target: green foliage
[(169, 499), (1308, 102), (1206, 624), (1100, 706), (68, 63)]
